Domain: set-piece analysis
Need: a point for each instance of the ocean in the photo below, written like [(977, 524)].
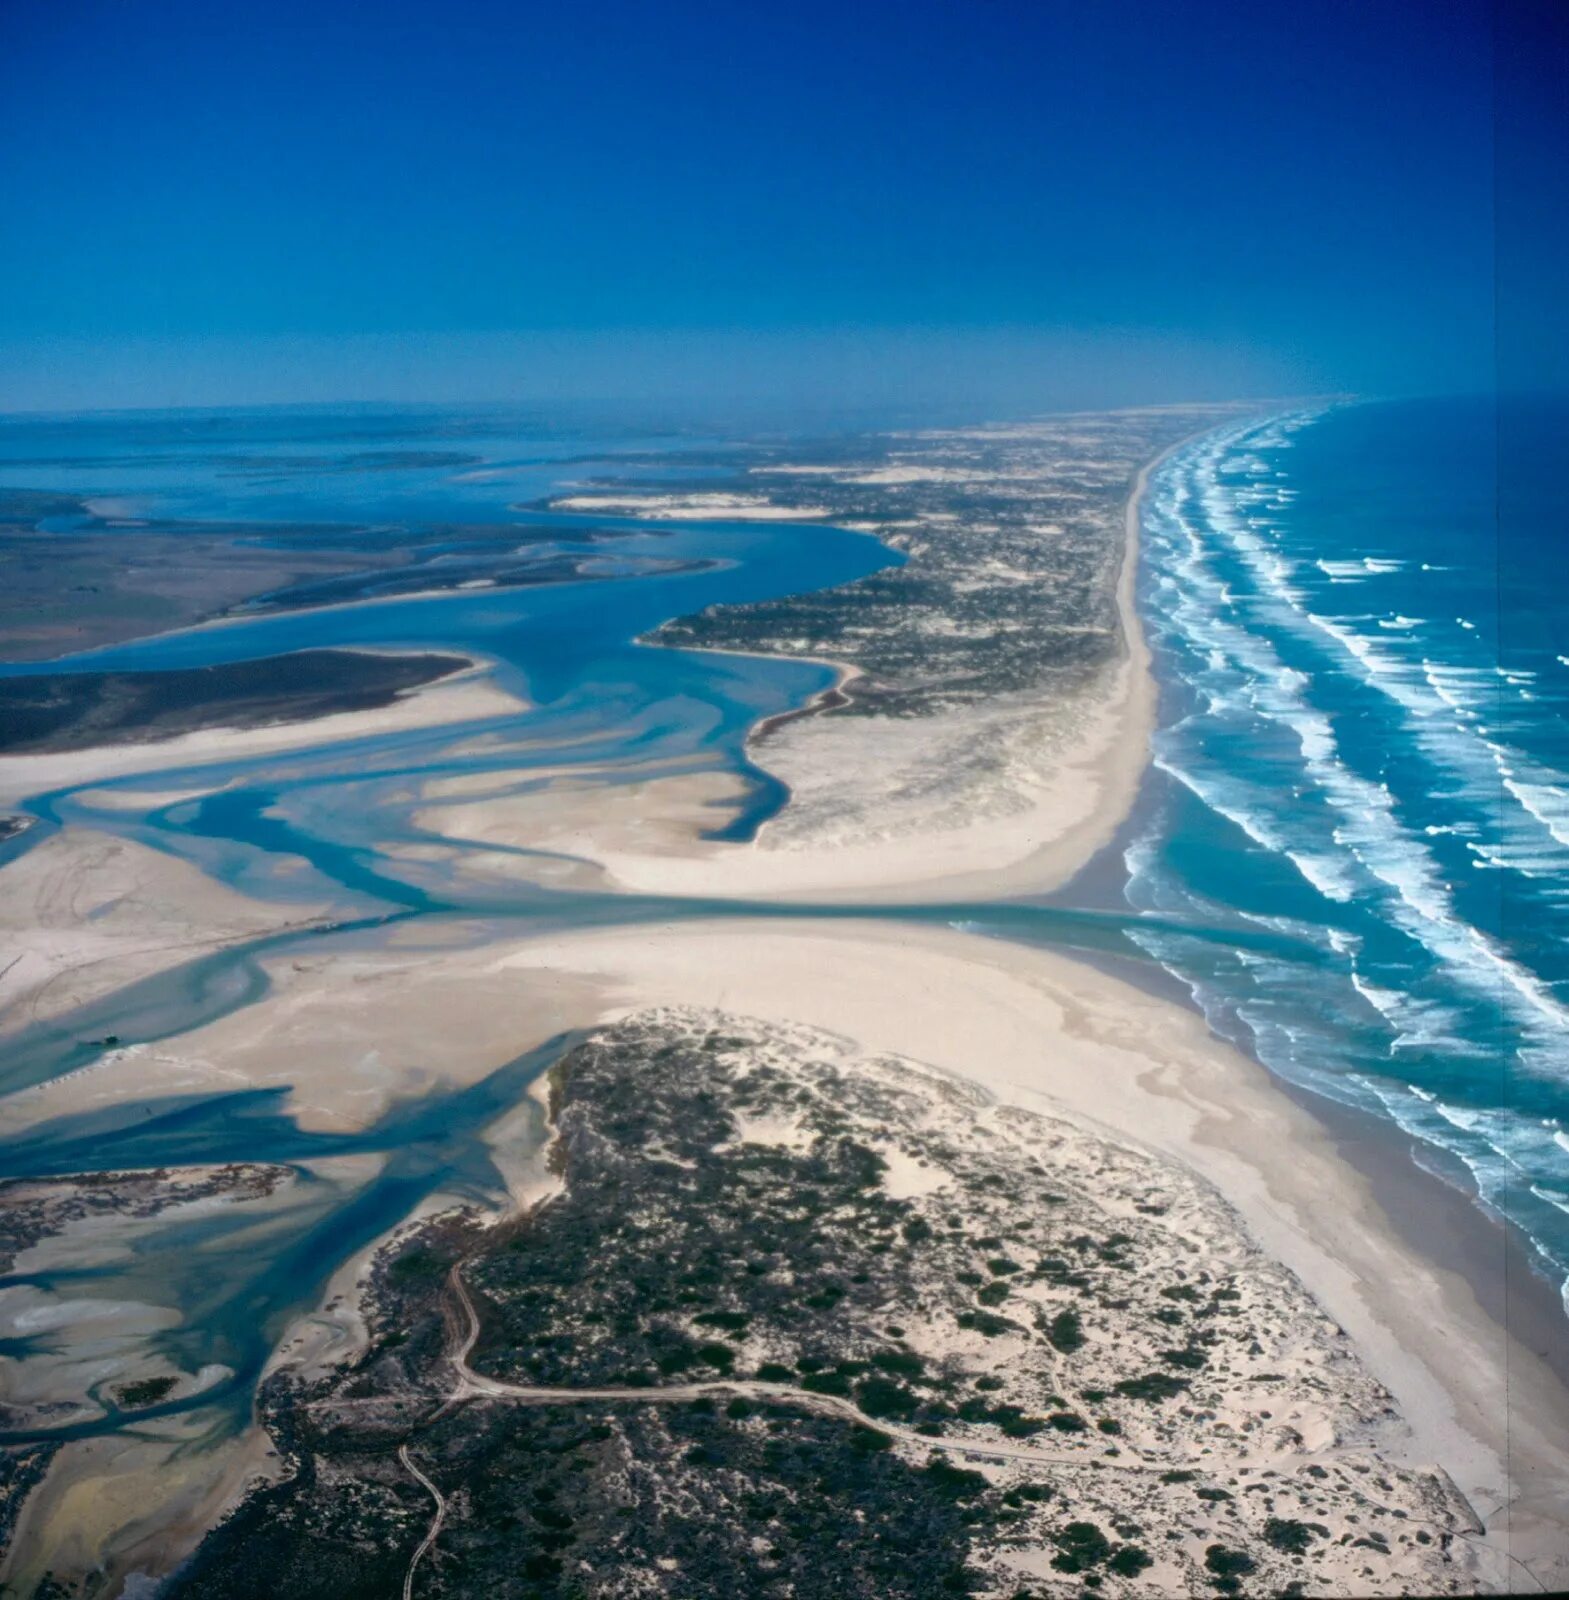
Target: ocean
[(1359, 623)]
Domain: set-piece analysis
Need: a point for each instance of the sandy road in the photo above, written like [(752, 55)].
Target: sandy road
[(471, 1385), (435, 1522), (475, 1385)]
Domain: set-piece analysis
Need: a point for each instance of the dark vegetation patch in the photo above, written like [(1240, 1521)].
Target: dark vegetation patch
[(1051, 504), (144, 1392), (678, 1254), (77, 710)]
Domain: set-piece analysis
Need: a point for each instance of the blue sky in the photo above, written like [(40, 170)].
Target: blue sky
[(1031, 202)]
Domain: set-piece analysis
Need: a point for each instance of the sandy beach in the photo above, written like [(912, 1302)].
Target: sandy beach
[(1042, 1032)]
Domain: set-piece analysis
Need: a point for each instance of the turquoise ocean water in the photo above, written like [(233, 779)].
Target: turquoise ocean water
[(1359, 615)]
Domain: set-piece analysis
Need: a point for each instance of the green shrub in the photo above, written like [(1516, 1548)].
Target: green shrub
[(1129, 1561), (1080, 1546), (959, 1482), (1152, 1386), (1285, 1533), (1191, 1358), (148, 1391), (1228, 1566), (883, 1397), (987, 1322), (735, 1321), (905, 1362)]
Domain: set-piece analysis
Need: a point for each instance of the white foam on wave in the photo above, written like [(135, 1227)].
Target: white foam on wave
[(1247, 807), (1357, 568), (1425, 690), (1517, 1173), (1428, 1026), (1243, 669), (1235, 674), (1546, 801)]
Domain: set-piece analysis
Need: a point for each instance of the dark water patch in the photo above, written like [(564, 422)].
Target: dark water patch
[(31, 506)]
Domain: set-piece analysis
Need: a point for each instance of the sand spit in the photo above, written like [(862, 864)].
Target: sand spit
[(85, 912), (1007, 797), (809, 1244), (718, 507), (349, 1035), (1093, 1259), (1027, 1029)]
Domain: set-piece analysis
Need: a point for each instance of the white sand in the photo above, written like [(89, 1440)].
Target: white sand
[(689, 507), (1031, 1028), (349, 1034), (84, 913)]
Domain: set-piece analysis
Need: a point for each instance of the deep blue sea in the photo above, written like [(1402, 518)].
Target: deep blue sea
[(1361, 621)]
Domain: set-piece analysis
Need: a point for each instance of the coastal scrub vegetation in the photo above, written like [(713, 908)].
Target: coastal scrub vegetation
[(754, 1344)]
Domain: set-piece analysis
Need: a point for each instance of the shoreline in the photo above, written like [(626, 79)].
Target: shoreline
[(1033, 1028), (465, 694), (1441, 1218), (150, 911)]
